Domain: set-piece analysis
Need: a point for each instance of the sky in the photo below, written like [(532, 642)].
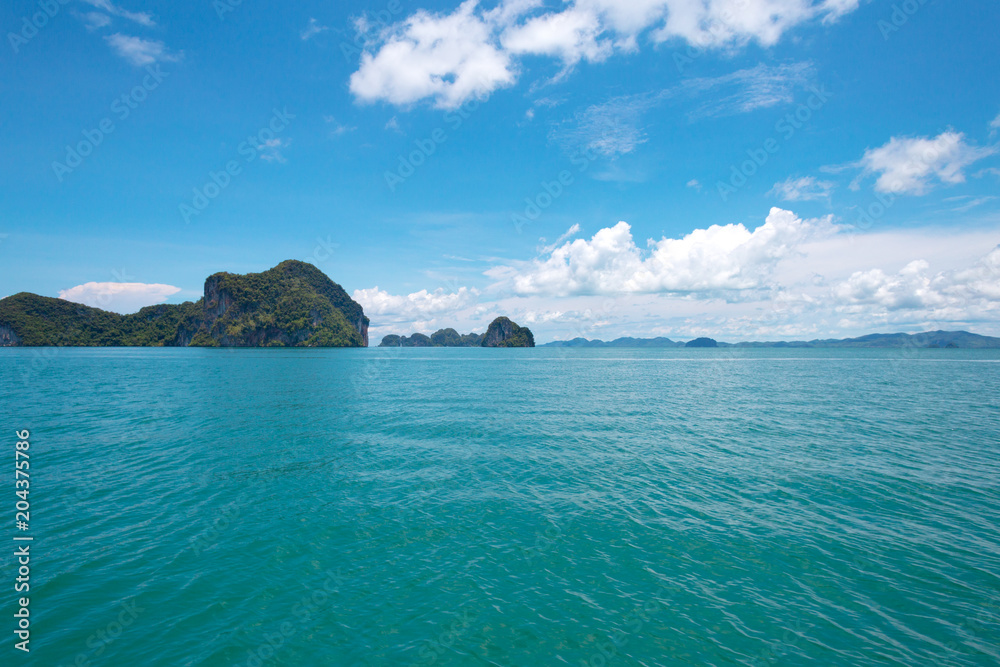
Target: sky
[(741, 169)]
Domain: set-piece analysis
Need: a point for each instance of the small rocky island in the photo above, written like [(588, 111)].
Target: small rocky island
[(440, 338), (292, 305), (502, 332), (505, 333)]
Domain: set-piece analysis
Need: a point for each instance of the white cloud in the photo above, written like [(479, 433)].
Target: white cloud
[(939, 295), (418, 306), (996, 123), (694, 184), (612, 128), (716, 23), (571, 36), (270, 150), (312, 29), (787, 279), (140, 52), (747, 90), (119, 297), (806, 188), (337, 128), (95, 20), (450, 58), (609, 129), (908, 289), (912, 166), (706, 262), (568, 234), (471, 52), (831, 285), (973, 203), (142, 18)]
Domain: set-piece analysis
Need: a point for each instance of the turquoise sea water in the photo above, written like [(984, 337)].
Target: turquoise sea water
[(508, 507)]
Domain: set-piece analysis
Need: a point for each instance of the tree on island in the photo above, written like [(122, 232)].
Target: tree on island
[(702, 342)]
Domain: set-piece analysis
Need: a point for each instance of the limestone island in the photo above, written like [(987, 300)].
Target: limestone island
[(502, 332), (292, 305)]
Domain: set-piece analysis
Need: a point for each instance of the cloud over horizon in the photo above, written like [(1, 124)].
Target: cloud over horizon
[(123, 298), (789, 277), (706, 261)]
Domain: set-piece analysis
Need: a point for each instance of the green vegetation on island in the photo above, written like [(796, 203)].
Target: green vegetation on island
[(502, 332), (293, 304), (505, 333), (440, 338)]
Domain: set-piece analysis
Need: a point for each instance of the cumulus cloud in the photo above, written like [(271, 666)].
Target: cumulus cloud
[(805, 188), (913, 165), (910, 288), (716, 23), (469, 53), (939, 295), (450, 58), (786, 278), (705, 262), (571, 36), (119, 297), (418, 306), (140, 52)]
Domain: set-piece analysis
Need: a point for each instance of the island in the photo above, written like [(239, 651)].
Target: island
[(925, 340), (440, 338), (702, 342), (293, 304), (502, 332)]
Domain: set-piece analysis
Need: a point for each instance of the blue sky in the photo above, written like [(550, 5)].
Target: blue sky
[(783, 168)]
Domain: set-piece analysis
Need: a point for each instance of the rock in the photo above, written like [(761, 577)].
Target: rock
[(505, 333), (293, 304)]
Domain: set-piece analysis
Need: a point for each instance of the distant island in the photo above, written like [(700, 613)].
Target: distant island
[(293, 304), (928, 339), (502, 332), (440, 338)]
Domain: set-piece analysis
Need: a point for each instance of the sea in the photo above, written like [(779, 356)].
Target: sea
[(515, 507)]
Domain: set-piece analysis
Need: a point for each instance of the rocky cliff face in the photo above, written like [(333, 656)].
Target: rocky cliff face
[(293, 304), (362, 326), (505, 333), (217, 300), (7, 336)]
